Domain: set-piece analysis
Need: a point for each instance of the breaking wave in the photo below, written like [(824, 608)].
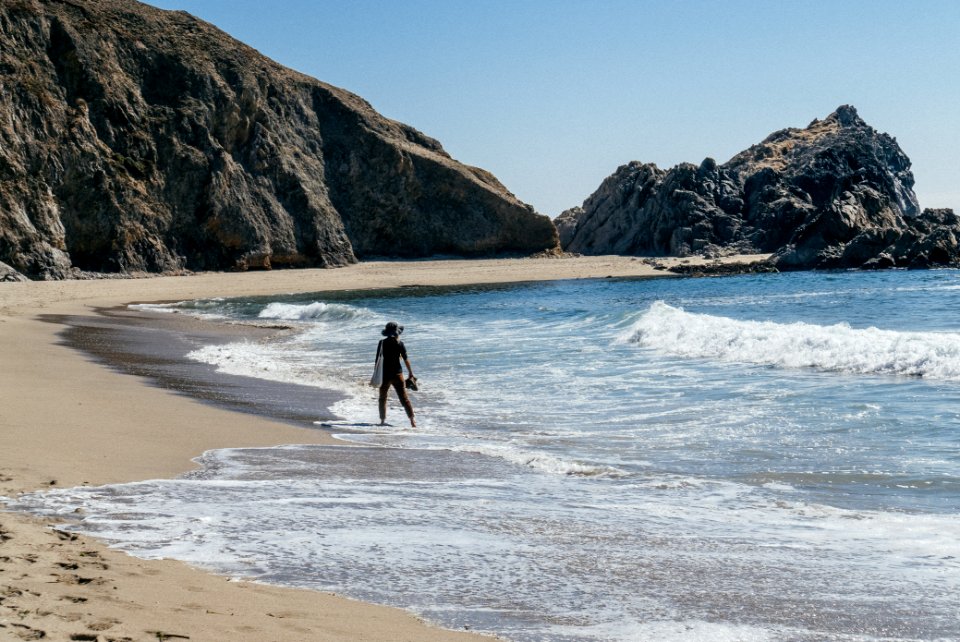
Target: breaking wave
[(837, 348), (317, 311)]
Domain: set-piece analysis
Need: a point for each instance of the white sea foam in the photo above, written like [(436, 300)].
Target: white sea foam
[(201, 309), (507, 451), (541, 461), (317, 311), (838, 348), (167, 308), (273, 362), (686, 630), (456, 539), (437, 430)]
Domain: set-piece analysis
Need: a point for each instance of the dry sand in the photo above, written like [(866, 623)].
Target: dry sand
[(66, 421)]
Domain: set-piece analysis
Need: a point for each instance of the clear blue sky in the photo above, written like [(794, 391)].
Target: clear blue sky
[(552, 96)]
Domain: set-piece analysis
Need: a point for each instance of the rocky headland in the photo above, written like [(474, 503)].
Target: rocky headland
[(136, 139), (837, 194)]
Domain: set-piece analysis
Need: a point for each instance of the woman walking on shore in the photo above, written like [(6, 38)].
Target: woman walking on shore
[(393, 350)]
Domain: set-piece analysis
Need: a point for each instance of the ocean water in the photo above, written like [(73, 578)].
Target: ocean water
[(767, 457)]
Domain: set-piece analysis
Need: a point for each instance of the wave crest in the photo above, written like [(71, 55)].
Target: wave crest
[(837, 348), (317, 311)]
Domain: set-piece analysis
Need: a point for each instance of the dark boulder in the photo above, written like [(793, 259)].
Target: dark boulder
[(8, 274)]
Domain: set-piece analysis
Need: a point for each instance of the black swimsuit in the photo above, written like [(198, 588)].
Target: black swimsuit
[(393, 350)]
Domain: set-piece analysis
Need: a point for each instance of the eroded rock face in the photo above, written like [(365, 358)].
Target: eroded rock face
[(836, 194), (135, 139), (8, 274)]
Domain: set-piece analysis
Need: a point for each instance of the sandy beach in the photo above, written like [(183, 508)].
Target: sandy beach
[(68, 421)]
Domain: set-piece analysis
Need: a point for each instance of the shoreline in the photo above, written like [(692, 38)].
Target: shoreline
[(154, 346), (70, 421)]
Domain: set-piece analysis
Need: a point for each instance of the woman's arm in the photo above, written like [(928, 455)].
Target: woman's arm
[(409, 369)]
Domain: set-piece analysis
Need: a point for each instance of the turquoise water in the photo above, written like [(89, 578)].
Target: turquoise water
[(770, 457)]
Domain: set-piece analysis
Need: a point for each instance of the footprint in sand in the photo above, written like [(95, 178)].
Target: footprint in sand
[(24, 632), (102, 624), (76, 599), (77, 579), (92, 559)]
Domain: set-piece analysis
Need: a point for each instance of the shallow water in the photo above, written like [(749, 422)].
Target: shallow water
[(757, 457)]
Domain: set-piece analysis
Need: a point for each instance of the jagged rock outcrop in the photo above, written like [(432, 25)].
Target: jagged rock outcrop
[(8, 274), (133, 138), (836, 194)]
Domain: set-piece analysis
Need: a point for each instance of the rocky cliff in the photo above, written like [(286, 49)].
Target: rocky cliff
[(836, 194), (138, 139)]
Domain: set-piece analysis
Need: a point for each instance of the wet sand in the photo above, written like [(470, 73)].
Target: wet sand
[(67, 420), (154, 346)]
